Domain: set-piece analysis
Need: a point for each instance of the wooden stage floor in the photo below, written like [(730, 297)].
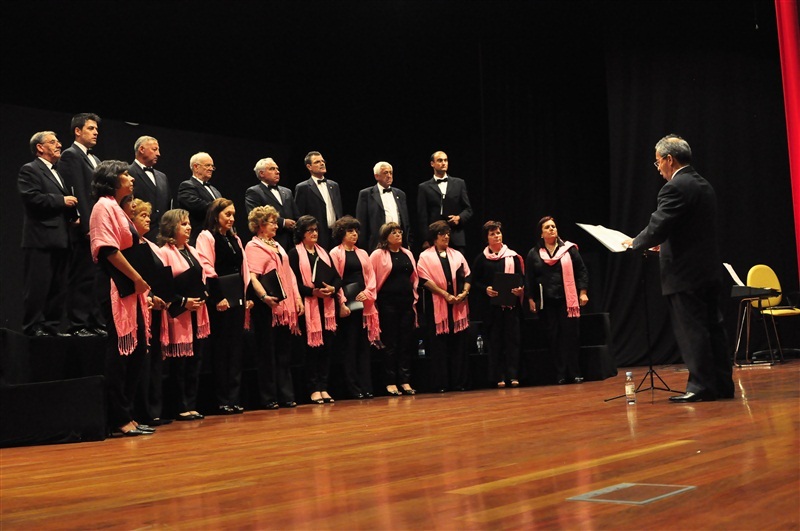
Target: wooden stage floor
[(491, 459)]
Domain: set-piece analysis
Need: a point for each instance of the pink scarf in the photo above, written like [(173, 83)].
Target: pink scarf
[(109, 226), (208, 256), (507, 255), (382, 265), (262, 259), (313, 323), (176, 333), (370, 314), (567, 275), (430, 267)]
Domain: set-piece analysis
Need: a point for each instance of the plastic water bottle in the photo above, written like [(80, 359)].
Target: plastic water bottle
[(630, 388), (421, 349), (480, 344)]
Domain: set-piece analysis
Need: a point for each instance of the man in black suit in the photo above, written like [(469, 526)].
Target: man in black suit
[(196, 193), (684, 224), (49, 211), (381, 204), (150, 184), (267, 192), (77, 166), (320, 197), (444, 197)]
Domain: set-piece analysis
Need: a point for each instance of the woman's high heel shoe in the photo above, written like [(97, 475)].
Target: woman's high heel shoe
[(318, 399), (392, 390)]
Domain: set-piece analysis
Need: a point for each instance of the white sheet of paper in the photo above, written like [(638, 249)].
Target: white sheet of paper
[(612, 239), (733, 274)]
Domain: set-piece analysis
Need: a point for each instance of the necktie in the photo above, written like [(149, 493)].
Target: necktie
[(387, 190)]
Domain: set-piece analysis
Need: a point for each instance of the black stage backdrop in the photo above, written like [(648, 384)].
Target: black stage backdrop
[(543, 107)]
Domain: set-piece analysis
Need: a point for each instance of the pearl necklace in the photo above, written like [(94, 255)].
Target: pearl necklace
[(269, 241)]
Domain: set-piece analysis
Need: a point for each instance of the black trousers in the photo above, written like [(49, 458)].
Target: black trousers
[(44, 288), (186, 371), (273, 357), (354, 346), (83, 310), (700, 334), (122, 373), (502, 333), (397, 334), (227, 338), (449, 359), (149, 400), (563, 334)]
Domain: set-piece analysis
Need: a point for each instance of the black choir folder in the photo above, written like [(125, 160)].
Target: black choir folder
[(271, 282), (188, 284), (228, 287), (323, 273), (351, 291), (150, 267), (503, 283)]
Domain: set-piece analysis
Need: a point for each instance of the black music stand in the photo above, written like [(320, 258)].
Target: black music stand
[(651, 372)]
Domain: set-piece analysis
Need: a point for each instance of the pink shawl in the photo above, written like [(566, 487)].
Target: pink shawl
[(382, 264), (208, 256), (567, 275), (430, 268), (262, 259), (313, 323), (370, 314), (109, 226), (176, 333)]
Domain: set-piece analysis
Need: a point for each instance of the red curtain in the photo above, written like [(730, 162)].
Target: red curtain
[(789, 44)]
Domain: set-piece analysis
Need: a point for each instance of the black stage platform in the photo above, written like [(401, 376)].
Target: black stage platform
[(52, 387)]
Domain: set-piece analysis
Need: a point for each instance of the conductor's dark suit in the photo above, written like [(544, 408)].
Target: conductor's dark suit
[(195, 197), (685, 226), (260, 195), (158, 195), (371, 215), (83, 309), (45, 240), (431, 206), (310, 202)]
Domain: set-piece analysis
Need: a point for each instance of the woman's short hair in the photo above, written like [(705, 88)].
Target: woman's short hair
[(342, 225), (302, 225), (384, 232), (168, 226), (213, 212), (489, 226), (260, 215), (105, 180), (436, 228)]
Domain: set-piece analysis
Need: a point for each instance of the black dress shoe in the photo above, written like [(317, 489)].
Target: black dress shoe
[(83, 332), (38, 332), (692, 397), (160, 422), (238, 410), (271, 405), (358, 396), (442, 390), (99, 331), (62, 334), (579, 379), (369, 395), (289, 404), (562, 381), (226, 410)]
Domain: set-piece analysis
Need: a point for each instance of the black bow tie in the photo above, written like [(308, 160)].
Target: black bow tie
[(441, 180), (206, 183), (272, 187), (150, 169), (387, 190), (321, 181)]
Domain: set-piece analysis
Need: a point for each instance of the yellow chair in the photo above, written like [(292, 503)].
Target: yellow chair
[(762, 276)]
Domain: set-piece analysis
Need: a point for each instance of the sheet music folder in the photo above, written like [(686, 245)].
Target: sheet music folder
[(610, 238), (271, 282), (503, 283)]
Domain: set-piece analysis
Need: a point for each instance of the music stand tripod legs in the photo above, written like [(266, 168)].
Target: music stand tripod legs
[(651, 372)]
